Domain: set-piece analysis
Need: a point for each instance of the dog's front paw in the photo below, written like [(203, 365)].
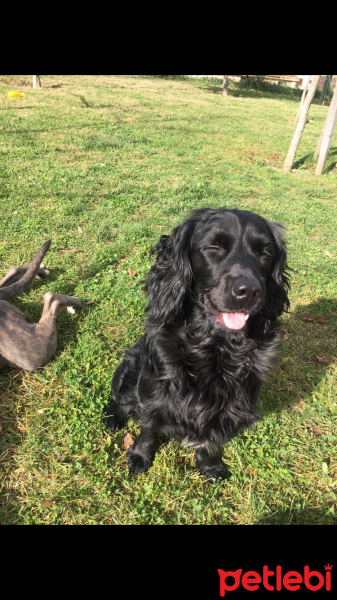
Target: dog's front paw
[(138, 463), (113, 423), (215, 472)]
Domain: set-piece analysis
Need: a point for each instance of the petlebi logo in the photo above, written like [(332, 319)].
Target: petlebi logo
[(275, 579)]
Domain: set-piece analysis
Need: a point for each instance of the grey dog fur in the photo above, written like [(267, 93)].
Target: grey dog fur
[(29, 345)]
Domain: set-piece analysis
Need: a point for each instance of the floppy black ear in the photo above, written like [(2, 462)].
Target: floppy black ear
[(169, 281), (278, 281)]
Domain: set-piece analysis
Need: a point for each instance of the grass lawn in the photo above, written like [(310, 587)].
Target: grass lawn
[(104, 165)]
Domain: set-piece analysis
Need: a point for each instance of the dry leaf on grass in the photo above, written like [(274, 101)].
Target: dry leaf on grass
[(132, 273), (47, 503), (319, 319), (128, 440), (322, 359), (314, 428)]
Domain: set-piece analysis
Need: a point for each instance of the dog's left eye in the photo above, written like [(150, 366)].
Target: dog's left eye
[(264, 254)]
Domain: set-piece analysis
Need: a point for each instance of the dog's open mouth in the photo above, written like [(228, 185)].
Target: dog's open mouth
[(231, 320)]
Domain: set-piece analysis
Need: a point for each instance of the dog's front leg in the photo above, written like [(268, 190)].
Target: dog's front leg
[(210, 466), (141, 454)]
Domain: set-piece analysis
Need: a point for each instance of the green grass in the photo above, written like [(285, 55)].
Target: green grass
[(104, 165)]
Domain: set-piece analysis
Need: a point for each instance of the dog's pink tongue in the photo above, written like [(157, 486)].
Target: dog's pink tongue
[(234, 320)]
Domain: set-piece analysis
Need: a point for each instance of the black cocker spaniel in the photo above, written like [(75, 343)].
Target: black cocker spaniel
[(214, 293)]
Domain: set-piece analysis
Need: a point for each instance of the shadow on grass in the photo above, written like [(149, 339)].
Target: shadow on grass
[(90, 104), (278, 94), (307, 160), (235, 89), (332, 156), (10, 440), (238, 90), (310, 161), (308, 351)]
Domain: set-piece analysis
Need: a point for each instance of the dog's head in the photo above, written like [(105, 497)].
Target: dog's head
[(230, 262)]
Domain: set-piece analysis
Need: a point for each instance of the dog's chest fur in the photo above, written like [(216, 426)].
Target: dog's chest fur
[(211, 385)]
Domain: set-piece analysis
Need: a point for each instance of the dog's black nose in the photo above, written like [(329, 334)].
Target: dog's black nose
[(246, 290)]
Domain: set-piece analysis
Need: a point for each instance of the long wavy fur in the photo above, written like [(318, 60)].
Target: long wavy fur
[(189, 377)]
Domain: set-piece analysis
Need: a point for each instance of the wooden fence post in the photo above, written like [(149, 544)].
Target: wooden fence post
[(289, 161), (326, 135)]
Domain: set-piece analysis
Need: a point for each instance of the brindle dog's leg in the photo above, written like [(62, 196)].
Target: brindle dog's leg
[(31, 345)]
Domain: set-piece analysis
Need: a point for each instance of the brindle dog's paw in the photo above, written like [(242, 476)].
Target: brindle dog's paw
[(42, 272)]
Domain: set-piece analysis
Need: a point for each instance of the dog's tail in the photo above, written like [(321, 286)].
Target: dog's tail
[(20, 286)]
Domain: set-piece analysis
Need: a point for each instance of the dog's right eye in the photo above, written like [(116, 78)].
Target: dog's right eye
[(216, 248)]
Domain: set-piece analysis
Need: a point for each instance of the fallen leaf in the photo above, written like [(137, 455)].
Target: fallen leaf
[(132, 273), (329, 254), (72, 250), (313, 426), (80, 230), (285, 360), (47, 503), (128, 440), (319, 319), (322, 359), (90, 302)]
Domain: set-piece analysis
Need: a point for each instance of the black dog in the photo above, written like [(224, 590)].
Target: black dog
[(214, 294)]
